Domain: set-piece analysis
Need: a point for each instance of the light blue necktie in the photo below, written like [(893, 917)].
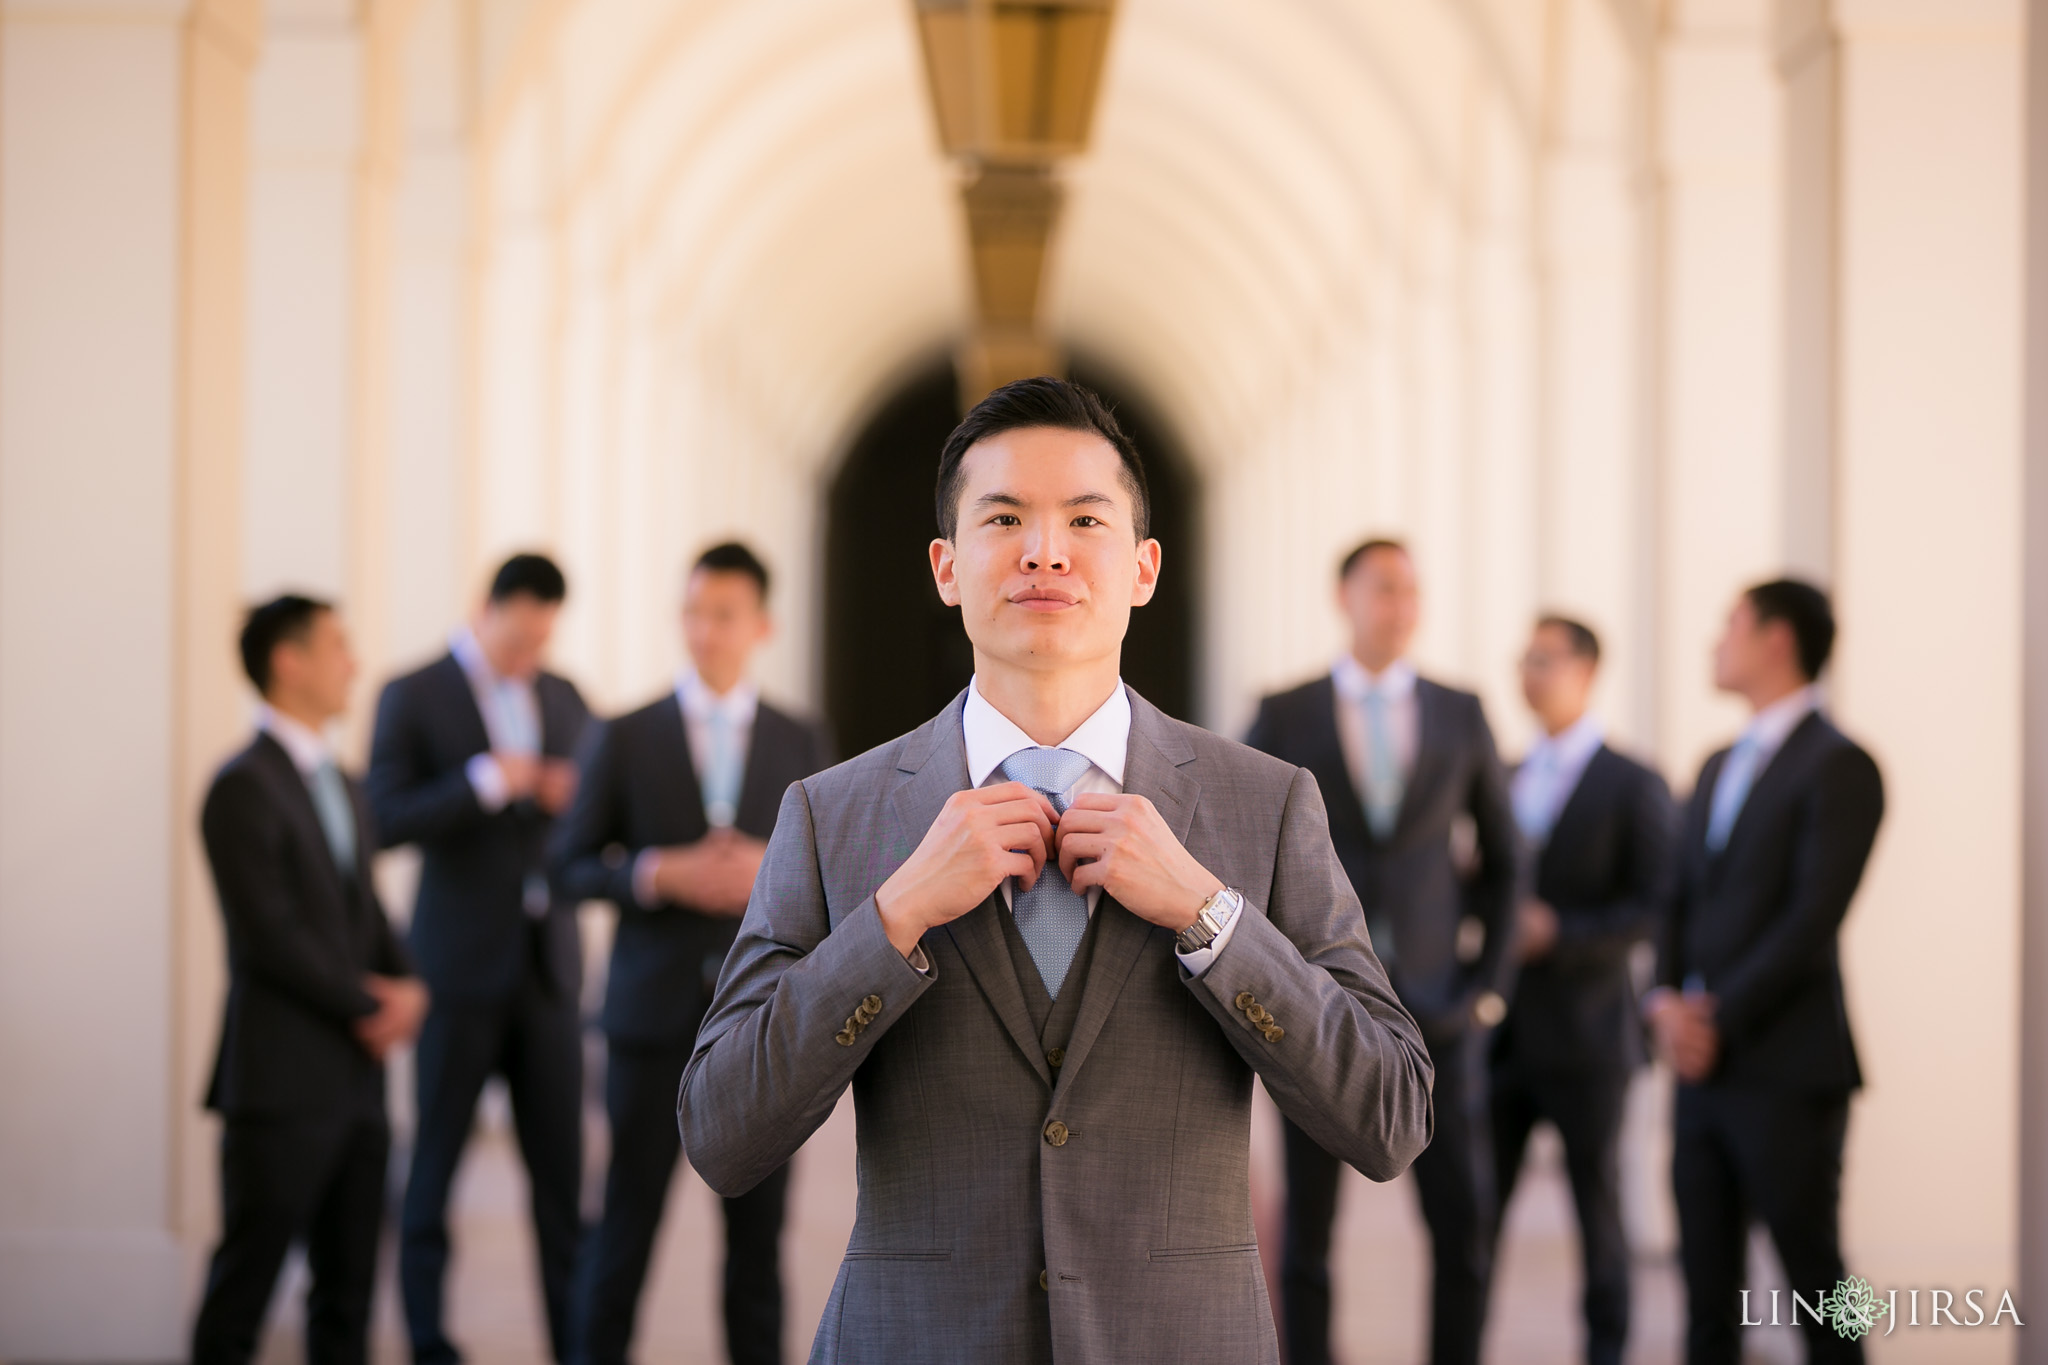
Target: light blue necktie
[(1051, 916), (722, 771), (1731, 789), (518, 717), (337, 816), (1384, 786)]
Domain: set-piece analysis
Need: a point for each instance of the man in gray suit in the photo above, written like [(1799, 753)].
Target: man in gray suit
[(1048, 937)]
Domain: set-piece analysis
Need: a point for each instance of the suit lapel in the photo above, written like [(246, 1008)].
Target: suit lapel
[(1431, 738), (1152, 769), (462, 702), (683, 764), (1764, 787), (1579, 803), (758, 800), (931, 767), (299, 807)]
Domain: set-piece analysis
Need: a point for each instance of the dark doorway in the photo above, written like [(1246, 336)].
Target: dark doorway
[(895, 654)]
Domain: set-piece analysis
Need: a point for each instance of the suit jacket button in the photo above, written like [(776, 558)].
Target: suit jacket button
[(1056, 1058), (1245, 1000), (844, 1037), (872, 1004), (1056, 1133), (1274, 1033), (1041, 1281)]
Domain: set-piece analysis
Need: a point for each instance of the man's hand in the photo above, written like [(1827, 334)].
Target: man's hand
[(715, 875), (1121, 844), (519, 772), (980, 837), (401, 1005), (1538, 929), (554, 786), (1686, 1034)]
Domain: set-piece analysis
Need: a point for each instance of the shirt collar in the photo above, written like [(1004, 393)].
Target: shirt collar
[(698, 701), (1769, 728), (1396, 682), (462, 643), (1103, 739), (307, 747), (1575, 745)]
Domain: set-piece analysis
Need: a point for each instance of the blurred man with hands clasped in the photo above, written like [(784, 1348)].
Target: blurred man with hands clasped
[(1599, 829), (1048, 938), (1405, 761), (1748, 1008), (472, 761), (672, 818), (320, 991)]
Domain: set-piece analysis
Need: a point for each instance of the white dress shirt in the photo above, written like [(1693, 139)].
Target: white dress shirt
[(1104, 739), (1397, 684), (700, 705), (513, 734), (307, 747), (1550, 773)]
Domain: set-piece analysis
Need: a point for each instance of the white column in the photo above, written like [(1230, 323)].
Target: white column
[(122, 177), (2033, 1201), (306, 153), (1928, 573)]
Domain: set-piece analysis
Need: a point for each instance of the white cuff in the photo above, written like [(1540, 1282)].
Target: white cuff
[(644, 863), (1203, 958), (487, 781)]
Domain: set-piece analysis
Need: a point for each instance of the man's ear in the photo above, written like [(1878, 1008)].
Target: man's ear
[(1148, 573), (942, 572)]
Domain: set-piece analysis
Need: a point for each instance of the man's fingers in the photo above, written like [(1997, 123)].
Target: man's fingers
[(1074, 848), (1096, 801), (1089, 875)]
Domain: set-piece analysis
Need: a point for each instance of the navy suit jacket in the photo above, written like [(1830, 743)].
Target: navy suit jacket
[(1412, 882), (470, 929), (301, 935), (1757, 922), (640, 790)]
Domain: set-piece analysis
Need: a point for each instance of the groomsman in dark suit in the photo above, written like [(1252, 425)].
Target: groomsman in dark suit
[(319, 991), (1600, 829), (1403, 760), (676, 805), (1748, 1007), (472, 760)]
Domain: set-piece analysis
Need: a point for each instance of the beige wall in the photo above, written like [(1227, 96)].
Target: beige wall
[(1609, 306)]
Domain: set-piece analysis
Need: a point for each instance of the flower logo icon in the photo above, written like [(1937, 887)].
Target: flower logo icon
[(1853, 1308)]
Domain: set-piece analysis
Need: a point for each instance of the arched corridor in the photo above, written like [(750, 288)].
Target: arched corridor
[(1607, 306)]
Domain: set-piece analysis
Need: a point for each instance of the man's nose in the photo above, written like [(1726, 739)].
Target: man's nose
[(1046, 550)]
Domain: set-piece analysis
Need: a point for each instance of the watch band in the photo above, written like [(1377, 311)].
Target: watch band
[(1209, 921)]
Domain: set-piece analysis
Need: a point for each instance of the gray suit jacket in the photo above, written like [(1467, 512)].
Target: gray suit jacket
[(1011, 1210)]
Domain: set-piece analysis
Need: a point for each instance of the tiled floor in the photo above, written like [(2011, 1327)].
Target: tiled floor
[(1381, 1249)]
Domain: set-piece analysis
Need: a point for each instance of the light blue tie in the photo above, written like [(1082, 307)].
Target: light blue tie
[(722, 770), (337, 816), (1051, 916), (1384, 785), (518, 717), (1731, 789)]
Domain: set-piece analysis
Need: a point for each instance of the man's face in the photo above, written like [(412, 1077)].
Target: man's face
[(1555, 680), (313, 675), (1045, 564), (1382, 602), (514, 633), (724, 621), (1748, 648)]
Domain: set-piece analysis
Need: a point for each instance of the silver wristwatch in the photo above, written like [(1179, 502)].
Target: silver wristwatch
[(1209, 921)]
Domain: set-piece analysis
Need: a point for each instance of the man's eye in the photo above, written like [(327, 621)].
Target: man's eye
[(1004, 519), (1085, 520)]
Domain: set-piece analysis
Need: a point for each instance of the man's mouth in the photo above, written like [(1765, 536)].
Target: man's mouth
[(1044, 599)]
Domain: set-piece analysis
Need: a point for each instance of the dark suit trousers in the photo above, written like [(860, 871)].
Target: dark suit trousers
[(1738, 1154), (1586, 1108), (641, 1086), (288, 1178), (533, 1039), (1453, 1176)]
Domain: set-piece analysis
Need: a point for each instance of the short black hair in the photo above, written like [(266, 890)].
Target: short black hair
[(1040, 402), (1805, 609), (1584, 642), (732, 557), (531, 575), (1364, 548), (282, 620)]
